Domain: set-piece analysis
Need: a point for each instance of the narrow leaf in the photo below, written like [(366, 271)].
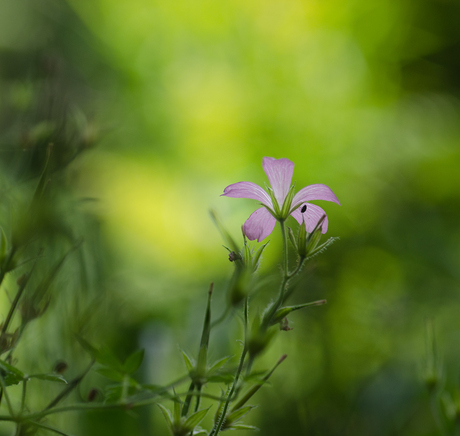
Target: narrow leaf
[(194, 419), (133, 362), (257, 256), (242, 427), (223, 231), (3, 244), (322, 248), (177, 407), (218, 364), (10, 374), (111, 374), (58, 378), (106, 357), (87, 346), (188, 362), (237, 415), (167, 415)]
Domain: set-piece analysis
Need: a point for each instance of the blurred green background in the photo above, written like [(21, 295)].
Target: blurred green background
[(173, 101)]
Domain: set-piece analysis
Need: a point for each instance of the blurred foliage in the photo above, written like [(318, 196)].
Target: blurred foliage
[(183, 98)]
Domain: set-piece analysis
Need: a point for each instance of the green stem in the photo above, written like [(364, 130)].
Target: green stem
[(6, 262), (217, 427), (215, 431), (284, 282), (299, 267), (222, 317), (70, 387), (86, 406), (8, 402), (23, 398), (198, 398), (285, 250), (15, 302), (188, 399)]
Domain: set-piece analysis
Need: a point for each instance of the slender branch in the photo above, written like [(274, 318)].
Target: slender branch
[(48, 427), (71, 386), (217, 427), (8, 402), (15, 302), (188, 399), (222, 317)]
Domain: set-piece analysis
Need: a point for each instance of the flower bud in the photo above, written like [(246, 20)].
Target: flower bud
[(60, 367), (307, 242), (93, 394), (284, 324)]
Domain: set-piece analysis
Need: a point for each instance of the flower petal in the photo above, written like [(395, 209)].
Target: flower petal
[(248, 190), (314, 192), (259, 225), (279, 173), (312, 215)]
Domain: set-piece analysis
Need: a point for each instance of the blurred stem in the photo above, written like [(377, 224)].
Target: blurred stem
[(124, 393), (299, 267), (188, 399), (222, 317), (256, 387), (70, 387), (198, 398), (7, 398), (90, 406), (15, 302), (285, 250), (23, 397), (6, 262), (286, 276), (218, 426)]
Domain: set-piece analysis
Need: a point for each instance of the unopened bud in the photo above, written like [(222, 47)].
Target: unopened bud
[(93, 394), (284, 325), (60, 367), (21, 280), (232, 256), (307, 242)]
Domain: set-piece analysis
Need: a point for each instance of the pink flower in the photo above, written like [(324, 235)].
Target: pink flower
[(280, 202)]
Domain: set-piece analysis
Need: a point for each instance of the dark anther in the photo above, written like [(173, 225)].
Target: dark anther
[(304, 208)]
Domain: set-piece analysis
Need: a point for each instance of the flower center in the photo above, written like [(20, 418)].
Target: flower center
[(304, 208)]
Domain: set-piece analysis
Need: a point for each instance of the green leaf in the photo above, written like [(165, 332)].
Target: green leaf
[(221, 378), (292, 238), (111, 374), (133, 362), (167, 415), (114, 393), (198, 431), (257, 257), (177, 410), (255, 376), (194, 419), (238, 414), (188, 362), (322, 248), (103, 356), (223, 231), (218, 364), (10, 374), (3, 244), (92, 351), (58, 378), (242, 427), (203, 352)]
